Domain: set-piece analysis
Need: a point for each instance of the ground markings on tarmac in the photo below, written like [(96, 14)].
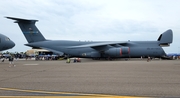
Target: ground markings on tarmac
[(30, 64), (60, 94)]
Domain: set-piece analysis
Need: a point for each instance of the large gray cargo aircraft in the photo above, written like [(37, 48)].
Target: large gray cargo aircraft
[(95, 49), (5, 43)]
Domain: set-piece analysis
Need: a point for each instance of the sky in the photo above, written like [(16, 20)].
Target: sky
[(93, 20)]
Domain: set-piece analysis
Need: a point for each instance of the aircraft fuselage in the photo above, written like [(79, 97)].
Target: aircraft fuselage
[(5, 43), (131, 49)]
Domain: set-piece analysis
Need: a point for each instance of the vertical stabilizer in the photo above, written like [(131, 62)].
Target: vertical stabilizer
[(29, 29)]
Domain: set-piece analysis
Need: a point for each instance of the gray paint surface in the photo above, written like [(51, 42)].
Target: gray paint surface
[(98, 49), (5, 43)]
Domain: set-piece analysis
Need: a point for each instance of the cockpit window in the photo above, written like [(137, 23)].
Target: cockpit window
[(7, 39)]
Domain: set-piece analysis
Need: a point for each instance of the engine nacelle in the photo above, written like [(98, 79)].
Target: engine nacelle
[(116, 52), (125, 50)]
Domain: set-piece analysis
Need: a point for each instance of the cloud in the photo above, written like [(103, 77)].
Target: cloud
[(93, 19)]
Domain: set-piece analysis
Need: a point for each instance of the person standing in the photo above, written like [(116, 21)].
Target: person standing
[(11, 59), (3, 59), (148, 59), (68, 60)]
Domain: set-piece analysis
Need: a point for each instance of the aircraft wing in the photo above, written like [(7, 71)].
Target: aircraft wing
[(100, 44)]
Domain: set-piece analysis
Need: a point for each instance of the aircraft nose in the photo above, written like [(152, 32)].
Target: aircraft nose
[(8, 45), (11, 44), (163, 53)]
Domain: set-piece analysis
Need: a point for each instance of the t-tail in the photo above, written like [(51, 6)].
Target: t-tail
[(29, 29), (166, 38)]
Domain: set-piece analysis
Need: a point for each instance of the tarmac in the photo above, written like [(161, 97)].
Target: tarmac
[(90, 78)]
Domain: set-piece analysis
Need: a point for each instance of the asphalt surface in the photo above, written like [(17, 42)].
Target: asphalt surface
[(157, 78)]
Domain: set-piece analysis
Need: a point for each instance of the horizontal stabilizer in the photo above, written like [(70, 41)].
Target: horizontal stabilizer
[(18, 20)]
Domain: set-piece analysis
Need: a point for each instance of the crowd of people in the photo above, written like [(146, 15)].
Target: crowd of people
[(47, 57), (11, 60)]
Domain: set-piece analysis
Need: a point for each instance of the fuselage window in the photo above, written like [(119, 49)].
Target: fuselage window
[(7, 39)]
